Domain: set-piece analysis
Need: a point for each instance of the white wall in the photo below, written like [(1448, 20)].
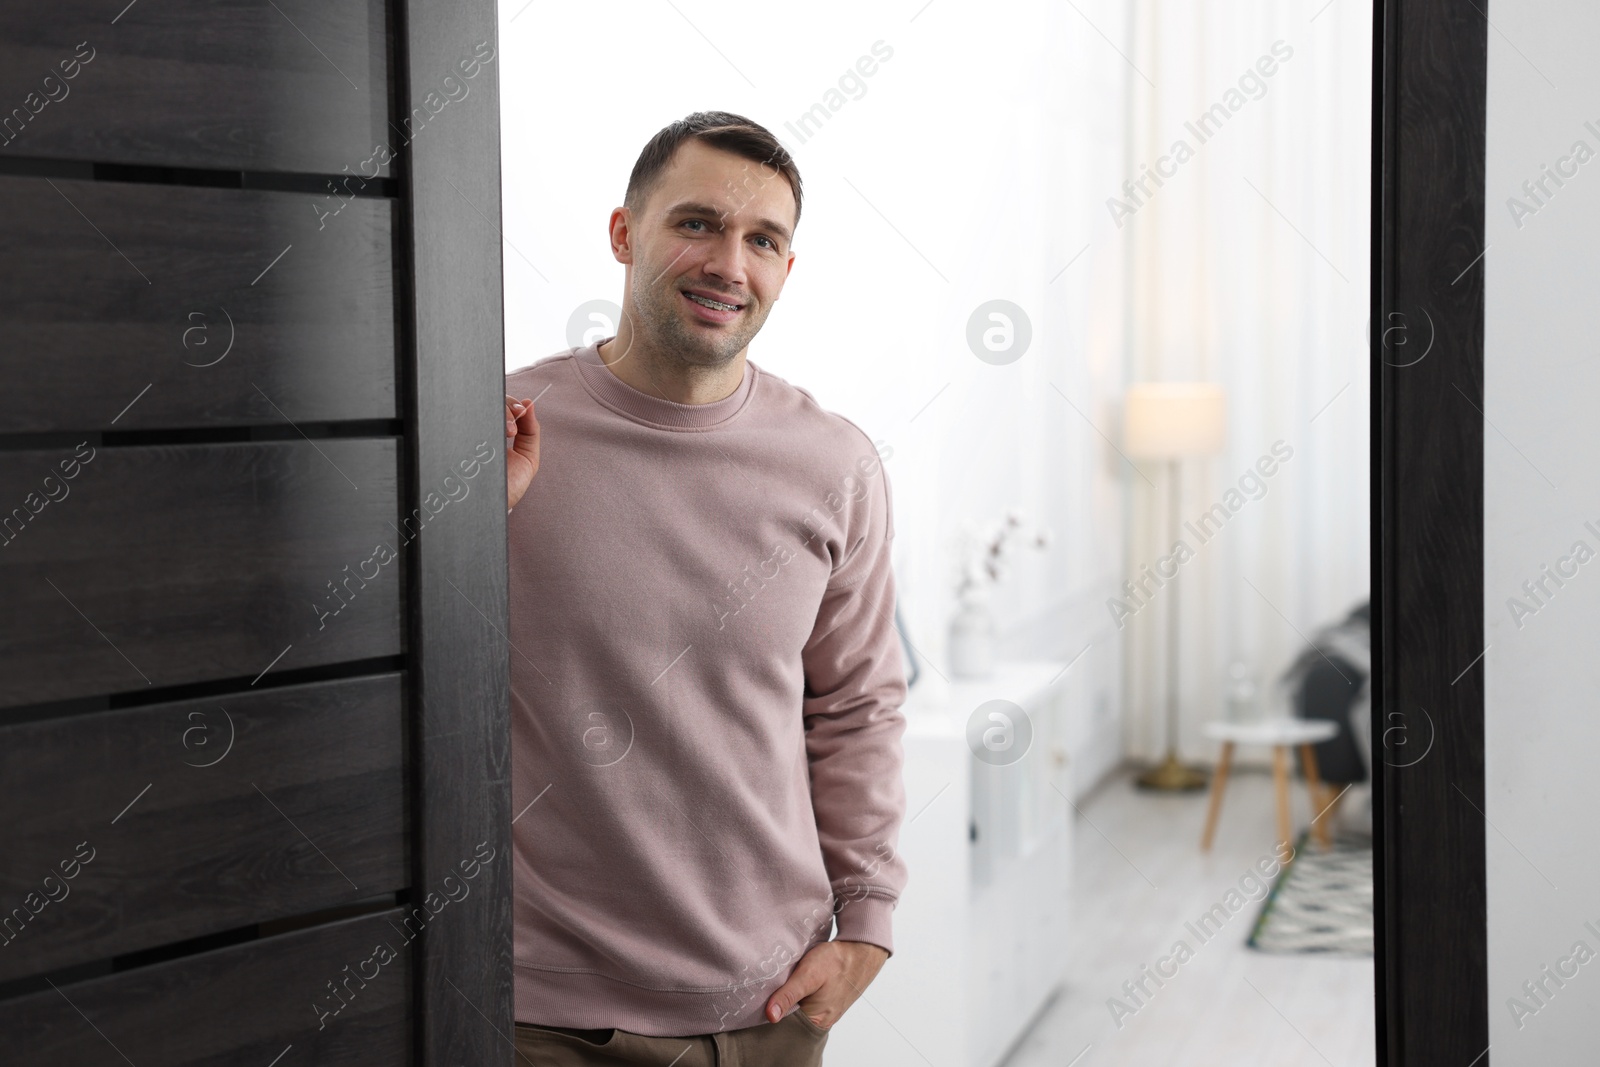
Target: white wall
[(973, 167), (1541, 486)]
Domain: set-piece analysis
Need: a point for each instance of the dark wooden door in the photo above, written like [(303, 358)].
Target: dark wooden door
[(254, 765)]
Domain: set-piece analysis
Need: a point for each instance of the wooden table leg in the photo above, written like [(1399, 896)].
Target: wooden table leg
[(1219, 781), (1333, 805), (1280, 783), (1319, 825)]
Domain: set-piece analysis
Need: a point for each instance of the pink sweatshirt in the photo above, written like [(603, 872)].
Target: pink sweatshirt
[(705, 699)]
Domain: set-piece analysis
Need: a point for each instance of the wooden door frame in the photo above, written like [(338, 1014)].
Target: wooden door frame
[(1429, 82), (1430, 904)]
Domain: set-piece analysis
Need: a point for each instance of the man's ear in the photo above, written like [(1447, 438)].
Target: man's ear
[(619, 231)]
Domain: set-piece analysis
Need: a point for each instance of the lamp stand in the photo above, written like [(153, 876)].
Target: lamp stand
[(1170, 775)]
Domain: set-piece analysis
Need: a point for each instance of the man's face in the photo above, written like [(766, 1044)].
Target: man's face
[(717, 227)]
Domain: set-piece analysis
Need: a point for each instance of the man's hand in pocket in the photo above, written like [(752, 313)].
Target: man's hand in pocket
[(827, 980)]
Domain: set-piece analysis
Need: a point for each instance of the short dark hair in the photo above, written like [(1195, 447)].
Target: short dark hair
[(719, 129)]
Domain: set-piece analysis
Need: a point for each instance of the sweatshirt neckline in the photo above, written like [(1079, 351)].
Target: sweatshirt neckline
[(656, 411)]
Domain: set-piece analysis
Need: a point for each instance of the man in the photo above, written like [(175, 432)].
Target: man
[(706, 677)]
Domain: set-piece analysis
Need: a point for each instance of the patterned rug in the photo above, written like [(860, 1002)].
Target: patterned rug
[(1321, 902)]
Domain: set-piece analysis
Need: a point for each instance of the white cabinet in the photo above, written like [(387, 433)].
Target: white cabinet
[(980, 932)]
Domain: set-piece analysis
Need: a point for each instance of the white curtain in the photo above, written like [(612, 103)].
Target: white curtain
[(1249, 269)]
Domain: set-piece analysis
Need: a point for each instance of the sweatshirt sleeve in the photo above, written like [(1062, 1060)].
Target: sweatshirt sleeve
[(854, 687)]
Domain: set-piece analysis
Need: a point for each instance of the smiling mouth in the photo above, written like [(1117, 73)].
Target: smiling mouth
[(715, 305)]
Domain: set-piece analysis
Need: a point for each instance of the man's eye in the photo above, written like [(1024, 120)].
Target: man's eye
[(694, 222), (770, 243)]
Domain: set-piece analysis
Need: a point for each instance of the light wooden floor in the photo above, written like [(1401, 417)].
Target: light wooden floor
[(1138, 876)]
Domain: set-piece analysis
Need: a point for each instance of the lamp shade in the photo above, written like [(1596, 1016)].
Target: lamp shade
[(1165, 420)]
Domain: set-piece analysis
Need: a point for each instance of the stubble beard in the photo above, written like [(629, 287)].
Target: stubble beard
[(668, 331)]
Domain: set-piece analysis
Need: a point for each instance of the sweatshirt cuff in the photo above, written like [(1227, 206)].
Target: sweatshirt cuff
[(868, 919)]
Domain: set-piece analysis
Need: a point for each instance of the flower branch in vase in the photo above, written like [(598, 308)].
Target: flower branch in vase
[(983, 564)]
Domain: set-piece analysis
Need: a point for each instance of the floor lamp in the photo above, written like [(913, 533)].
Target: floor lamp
[(1171, 421)]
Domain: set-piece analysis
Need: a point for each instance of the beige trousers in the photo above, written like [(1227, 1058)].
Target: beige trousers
[(793, 1041)]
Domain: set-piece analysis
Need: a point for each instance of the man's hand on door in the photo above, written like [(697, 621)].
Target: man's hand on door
[(522, 449)]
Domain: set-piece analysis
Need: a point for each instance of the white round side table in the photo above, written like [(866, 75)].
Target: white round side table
[(1281, 734)]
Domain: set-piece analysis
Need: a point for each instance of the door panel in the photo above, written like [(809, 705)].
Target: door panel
[(192, 307), (198, 816), (168, 564), (294, 85), (242, 1004)]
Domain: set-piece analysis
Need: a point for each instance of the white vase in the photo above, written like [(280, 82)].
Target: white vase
[(1243, 705), (972, 641)]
